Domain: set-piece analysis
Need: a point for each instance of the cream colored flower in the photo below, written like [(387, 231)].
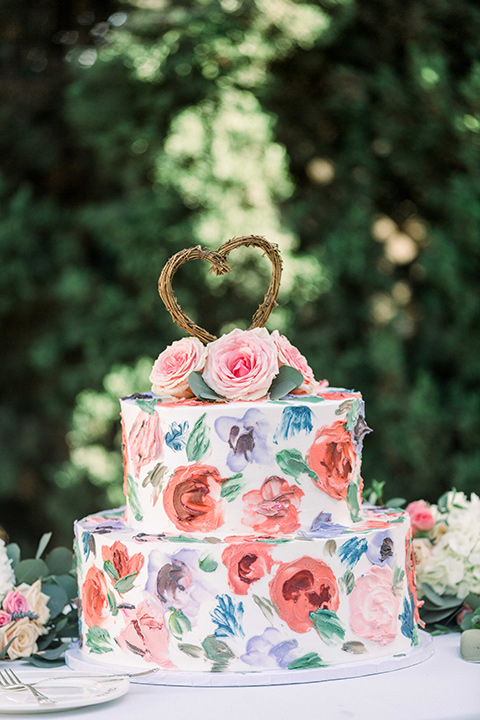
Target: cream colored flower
[(422, 549), (7, 576), (37, 603), (24, 634)]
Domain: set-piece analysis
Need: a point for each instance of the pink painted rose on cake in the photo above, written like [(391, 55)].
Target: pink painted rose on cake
[(170, 373), (242, 364), (374, 606)]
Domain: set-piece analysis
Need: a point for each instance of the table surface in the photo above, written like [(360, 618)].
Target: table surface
[(444, 687)]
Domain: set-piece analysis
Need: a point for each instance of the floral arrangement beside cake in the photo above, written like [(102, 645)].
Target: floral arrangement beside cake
[(244, 545)]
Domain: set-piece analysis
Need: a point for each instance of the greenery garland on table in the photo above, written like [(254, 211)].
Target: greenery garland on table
[(38, 617)]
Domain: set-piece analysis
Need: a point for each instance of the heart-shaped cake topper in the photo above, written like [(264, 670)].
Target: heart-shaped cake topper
[(220, 266)]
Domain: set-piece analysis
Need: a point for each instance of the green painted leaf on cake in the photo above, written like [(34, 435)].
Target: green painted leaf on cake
[(291, 463), (126, 583), (27, 571), (200, 388), (312, 399), (111, 570), (287, 380), (352, 415), (344, 407), (147, 406), (44, 540), (347, 582), (133, 499), (155, 478), (355, 647), (191, 650), (99, 640), (232, 487), (178, 623), (208, 564), (59, 561), (398, 577), (112, 603), (330, 547), (198, 441), (310, 660), (216, 649), (328, 625), (352, 501), (266, 606)]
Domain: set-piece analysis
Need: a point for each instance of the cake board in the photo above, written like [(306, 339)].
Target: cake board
[(375, 666)]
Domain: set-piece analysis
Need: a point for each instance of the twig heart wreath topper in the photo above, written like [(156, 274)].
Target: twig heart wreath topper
[(241, 365)]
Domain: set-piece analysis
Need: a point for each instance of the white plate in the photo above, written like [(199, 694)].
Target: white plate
[(68, 692)]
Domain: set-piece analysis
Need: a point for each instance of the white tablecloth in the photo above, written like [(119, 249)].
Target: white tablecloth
[(444, 687)]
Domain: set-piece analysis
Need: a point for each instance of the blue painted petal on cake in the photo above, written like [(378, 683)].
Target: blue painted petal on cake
[(407, 618), (352, 550), (295, 419), (323, 527), (177, 435), (380, 550), (228, 617)]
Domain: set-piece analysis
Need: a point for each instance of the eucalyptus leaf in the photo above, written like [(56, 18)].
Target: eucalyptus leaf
[(287, 380), (14, 554), (58, 598), (44, 540), (39, 661), (69, 584), (59, 561), (28, 571), (55, 653), (200, 388)]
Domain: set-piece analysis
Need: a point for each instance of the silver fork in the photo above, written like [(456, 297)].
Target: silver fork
[(10, 681)]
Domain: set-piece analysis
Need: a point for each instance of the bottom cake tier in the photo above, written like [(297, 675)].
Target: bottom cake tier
[(246, 604)]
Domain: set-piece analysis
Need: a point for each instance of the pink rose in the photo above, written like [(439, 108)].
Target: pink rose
[(5, 618), (169, 376), (289, 355), (242, 364), (374, 606), (421, 516), (145, 440), (146, 633), (15, 602)]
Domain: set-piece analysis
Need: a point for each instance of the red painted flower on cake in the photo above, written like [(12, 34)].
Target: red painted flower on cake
[(121, 563), (94, 598), (301, 587), (146, 634), (192, 498), (289, 355), (145, 440), (169, 376), (374, 606), (246, 563), (273, 508), (242, 364), (332, 458)]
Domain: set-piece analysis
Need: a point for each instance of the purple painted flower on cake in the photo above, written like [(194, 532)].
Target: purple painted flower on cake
[(175, 581), (246, 438), (380, 549), (323, 527), (268, 650)]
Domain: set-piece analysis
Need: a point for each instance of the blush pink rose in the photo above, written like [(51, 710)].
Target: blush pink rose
[(421, 517), (169, 376), (145, 440), (146, 633), (15, 602), (242, 364), (374, 606), (289, 355), (5, 618)]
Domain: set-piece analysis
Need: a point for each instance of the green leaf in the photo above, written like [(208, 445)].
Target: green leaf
[(28, 571), (133, 499), (99, 640), (69, 584), (310, 660), (330, 547), (111, 570), (112, 603), (352, 501), (312, 399), (178, 623), (291, 462), (54, 653), (155, 476), (198, 441), (191, 650), (355, 647), (347, 582), (14, 554), (232, 487), (58, 598), (208, 564), (125, 583), (44, 540), (287, 380), (266, 606), (59, 561), (352, 415), (147, 406), (328, 625), (440, 601), (216, 649), (200, 388), (3, 653)]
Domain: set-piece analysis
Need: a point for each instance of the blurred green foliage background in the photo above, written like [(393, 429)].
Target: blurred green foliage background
[(346, 131)]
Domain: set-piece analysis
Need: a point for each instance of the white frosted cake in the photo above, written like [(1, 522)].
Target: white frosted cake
[(244, 545)]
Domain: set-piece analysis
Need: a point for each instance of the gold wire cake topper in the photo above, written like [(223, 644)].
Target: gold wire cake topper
[(220, 266)]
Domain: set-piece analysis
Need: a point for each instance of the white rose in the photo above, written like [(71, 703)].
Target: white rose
[(422, 549), (37, 602), (7, 576), (24, 634)]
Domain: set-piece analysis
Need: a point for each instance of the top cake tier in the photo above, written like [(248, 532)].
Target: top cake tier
[(264, 468)]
